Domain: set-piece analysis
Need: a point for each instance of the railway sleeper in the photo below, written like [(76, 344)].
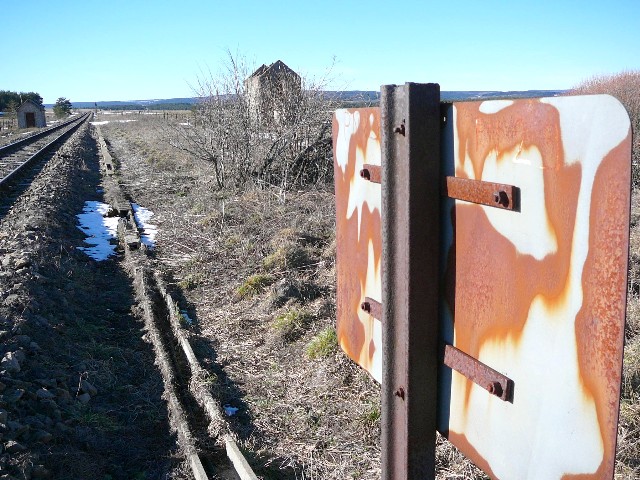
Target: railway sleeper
[(202, 429)]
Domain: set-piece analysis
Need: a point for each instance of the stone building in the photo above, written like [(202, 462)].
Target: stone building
[(273, 92), (30, 114)]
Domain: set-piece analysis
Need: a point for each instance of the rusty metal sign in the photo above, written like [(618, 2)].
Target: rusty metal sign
[(533, 294), (356, 137), (540, 294)]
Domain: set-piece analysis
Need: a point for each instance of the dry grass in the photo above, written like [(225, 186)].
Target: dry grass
[(450, 463), (306, 411), (323, 344), (257, 270), (255, 284)]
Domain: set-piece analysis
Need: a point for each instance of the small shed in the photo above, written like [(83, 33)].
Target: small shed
[(272, 91), (30, 114)]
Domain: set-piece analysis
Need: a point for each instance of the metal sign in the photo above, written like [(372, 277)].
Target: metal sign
[(356, 135), (533, 251), (539, 294)]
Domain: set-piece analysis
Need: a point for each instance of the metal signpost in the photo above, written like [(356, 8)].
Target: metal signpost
[(482, 261), (410, 236)]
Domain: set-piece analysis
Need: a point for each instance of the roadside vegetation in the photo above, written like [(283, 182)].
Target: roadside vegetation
[(255, 267), (9, 100), (279, 138), (245, 212), (62, 107)]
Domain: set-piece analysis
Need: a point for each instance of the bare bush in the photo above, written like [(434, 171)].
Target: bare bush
[(284, 141), (625, 87)]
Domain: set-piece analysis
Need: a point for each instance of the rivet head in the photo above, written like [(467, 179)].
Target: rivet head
[(501, 198), (495, 388), (400, 129)]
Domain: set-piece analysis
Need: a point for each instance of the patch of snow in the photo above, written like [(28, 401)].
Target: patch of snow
[(149, 231), (187, 124), (229, 410), (100, 123), (100, 230), (186, 317)]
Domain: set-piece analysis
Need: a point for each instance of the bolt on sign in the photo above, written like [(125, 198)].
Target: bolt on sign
[(533, 251)]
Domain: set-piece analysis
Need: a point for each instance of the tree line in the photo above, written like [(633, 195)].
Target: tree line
[(11, 100)]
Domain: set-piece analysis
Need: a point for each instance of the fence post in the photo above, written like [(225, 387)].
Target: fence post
[(410, 136)]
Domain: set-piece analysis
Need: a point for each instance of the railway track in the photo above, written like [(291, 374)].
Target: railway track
[(204, 434), (19, 156)]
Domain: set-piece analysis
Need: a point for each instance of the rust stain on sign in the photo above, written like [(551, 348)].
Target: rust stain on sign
[(537, 294), (356, 137)]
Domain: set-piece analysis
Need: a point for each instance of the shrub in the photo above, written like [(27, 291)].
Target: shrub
[(290, 325), (287, 145), (323, 344), (253, 285)]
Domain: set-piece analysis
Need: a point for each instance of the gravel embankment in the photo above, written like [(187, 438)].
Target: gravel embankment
[(80, 397)]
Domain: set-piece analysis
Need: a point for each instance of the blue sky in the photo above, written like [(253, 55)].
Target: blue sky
[(88, 50)]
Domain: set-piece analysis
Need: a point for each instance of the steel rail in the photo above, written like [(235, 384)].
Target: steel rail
[(42, 151), (170, 342), (28, 140)]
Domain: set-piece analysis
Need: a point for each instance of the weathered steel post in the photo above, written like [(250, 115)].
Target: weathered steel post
[(411, 183)]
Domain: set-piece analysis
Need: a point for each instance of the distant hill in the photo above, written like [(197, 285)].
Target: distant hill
[(493, 95), (349, 97), (156, 104), (357, 95)]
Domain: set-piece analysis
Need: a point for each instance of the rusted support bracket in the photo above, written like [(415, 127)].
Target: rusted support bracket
[(373, 173), (410, 141), (372, 307), (491, 194), (476, 371), (491, 380)]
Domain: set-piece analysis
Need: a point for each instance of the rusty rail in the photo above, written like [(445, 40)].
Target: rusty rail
[(17, 167)]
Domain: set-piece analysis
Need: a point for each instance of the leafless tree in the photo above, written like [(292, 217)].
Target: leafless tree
[(285, 141)]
